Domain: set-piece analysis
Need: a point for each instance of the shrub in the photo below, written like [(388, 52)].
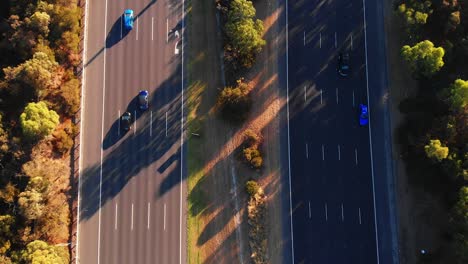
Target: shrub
[(250, 137), (62, 141), (257, 162), (235, 102), (251, 187), (250, 153)]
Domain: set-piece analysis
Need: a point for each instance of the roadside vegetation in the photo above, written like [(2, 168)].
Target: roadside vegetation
[(243, 41), (39, 96), (434, 136)]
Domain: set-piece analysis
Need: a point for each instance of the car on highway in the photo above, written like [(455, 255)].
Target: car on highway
[(128, 19), (363, 115), (343, 64), (143, 100), (126, 121)]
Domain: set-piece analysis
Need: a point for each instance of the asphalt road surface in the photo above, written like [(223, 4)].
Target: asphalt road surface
[(340, 172), (132, 194)]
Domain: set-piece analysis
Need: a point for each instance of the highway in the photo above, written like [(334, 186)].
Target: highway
[(131, 189), (340, 173)]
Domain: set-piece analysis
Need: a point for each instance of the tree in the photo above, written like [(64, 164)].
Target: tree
[(414, 14), (38, 121), (70, 92), (4, 146), (39, 23), (235, 102), (423, 59), (458, 95), (434, 150), (459, 220), (31, 204), (38, 72), (6, 225), (251, 187), (39, 252), (244, 33)]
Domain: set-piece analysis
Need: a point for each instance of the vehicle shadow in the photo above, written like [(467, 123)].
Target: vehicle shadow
[(115, 132), (163, 147), (116, 33)]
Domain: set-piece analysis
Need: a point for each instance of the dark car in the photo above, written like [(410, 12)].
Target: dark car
[(126, 121), (128, 19), (363, 115), (143, 100), (343, 64)]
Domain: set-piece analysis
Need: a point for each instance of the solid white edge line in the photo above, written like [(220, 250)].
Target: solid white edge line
[(310, 213), (323, 152), (370, 132), (351, 40), (304, 38), (167, 30), (80, 162), (289, 143), (307, 150), (360, 222), (152, 28), (102, 137), (181, 134), (336, 40)]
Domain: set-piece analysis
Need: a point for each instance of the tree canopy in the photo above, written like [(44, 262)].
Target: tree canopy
[(38, 121), (435, 150), (39, 252), (244, 32), (423, 58), (458, 94)]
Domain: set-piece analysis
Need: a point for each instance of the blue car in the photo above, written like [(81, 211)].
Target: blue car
[(128, 19), (143, 99), (363, 115)]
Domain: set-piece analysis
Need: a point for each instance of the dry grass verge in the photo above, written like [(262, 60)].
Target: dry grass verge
[(256, 213)]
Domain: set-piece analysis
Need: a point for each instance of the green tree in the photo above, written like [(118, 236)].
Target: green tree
[(70, 92), (39, 252), (38, 121), (423, 58), (31, 203), (39, 22), (6, 225), (235, 102), (40, 73), (251, 187), (459, 220), (435, 150), (245, 33), (414, 13), (4, 146), (458, 95)]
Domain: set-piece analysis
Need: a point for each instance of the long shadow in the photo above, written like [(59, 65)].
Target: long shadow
[(115, 133), (120, 165), (145, 8), (113, 37)]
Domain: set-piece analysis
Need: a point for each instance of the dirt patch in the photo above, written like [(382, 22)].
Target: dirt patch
[(421, 214), (217, 201)]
